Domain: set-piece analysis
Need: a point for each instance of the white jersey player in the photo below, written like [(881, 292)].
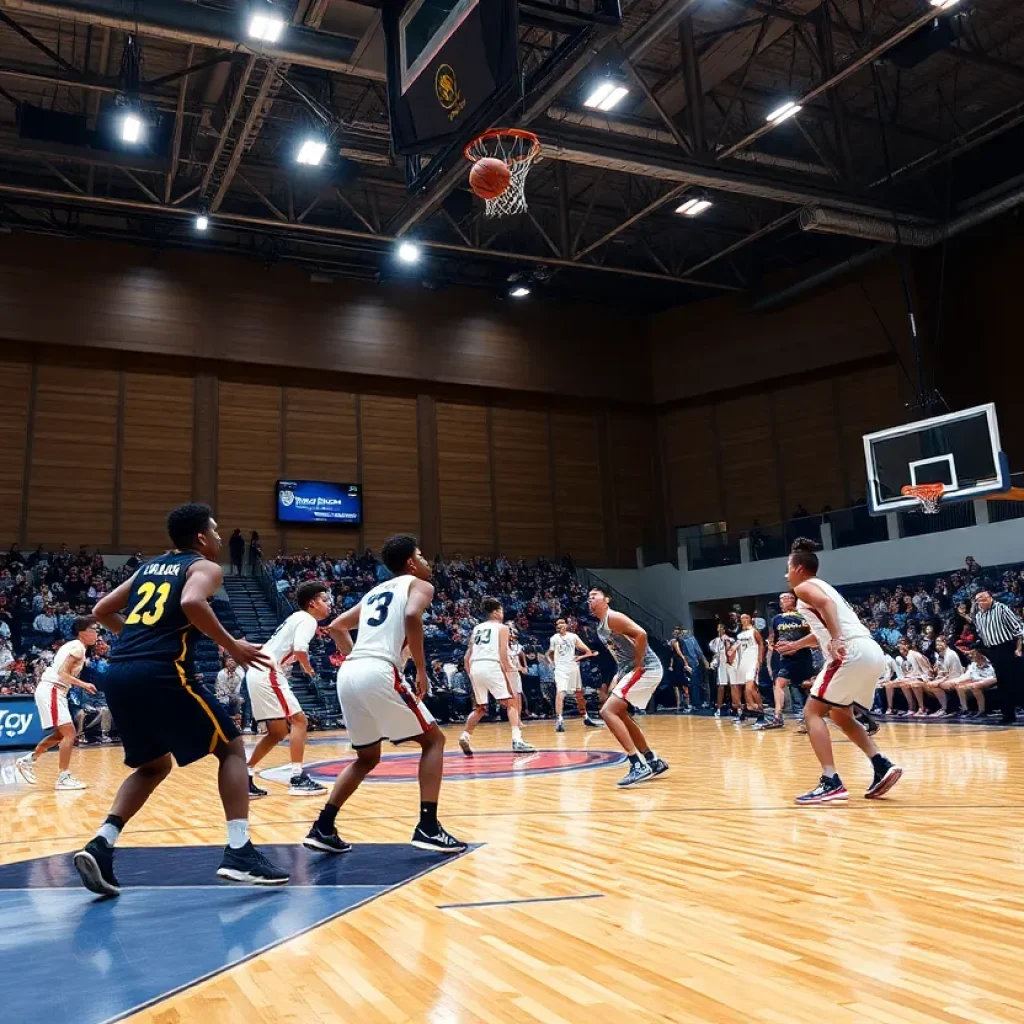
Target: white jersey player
[(52, 702), (638, 672), (489, 664), (377, 702), (563, 654), (853, 665), (517, 661), (270, 692)]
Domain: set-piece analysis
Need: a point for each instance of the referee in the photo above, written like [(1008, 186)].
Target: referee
[(1002, 634)]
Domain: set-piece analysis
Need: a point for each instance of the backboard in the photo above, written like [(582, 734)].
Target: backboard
[(446, 60), (960, 450)]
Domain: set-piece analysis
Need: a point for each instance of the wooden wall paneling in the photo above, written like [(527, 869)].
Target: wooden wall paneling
[(810, 462), (633, 449), (748, 462), (248, 461), (579, 501), (430, 509), (868, 400), (156, 457), (320, 443), (14, 429), (74, 453), (464, 477), (521, 474), (390, 465), (691, 466)]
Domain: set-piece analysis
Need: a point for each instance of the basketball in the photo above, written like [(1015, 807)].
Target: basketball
[(489, 177)]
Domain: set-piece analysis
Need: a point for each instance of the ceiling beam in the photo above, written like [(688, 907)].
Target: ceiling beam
[(204, 26)]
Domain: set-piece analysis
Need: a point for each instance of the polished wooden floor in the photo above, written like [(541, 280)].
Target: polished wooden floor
[(716, 899)]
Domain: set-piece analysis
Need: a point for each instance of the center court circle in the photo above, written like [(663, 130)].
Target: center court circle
[(486, 764)]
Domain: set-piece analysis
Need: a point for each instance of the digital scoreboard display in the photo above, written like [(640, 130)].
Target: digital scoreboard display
[(319, 501)]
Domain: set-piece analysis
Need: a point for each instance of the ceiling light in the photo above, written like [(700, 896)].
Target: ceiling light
[(519, 292), (943, 4), (408, 253), (780, 114), (202, 222), (605, 95), (312, 152), (266, 27), (694, 207), (131, 127)]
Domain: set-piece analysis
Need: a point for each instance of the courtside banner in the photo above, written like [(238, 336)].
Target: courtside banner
[(19, 723), (434, 96)]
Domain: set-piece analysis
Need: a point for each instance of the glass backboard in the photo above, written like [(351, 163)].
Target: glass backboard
[(960, 450)]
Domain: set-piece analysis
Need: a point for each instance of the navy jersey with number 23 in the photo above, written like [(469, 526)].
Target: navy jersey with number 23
[(155, 627)]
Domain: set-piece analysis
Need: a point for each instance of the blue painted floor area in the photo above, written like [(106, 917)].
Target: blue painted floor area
[(83, 960)]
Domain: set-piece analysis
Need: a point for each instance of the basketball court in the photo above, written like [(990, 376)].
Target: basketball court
[(705, 895)]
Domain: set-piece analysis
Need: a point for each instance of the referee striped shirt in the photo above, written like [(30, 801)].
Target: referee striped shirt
[(998, 625)]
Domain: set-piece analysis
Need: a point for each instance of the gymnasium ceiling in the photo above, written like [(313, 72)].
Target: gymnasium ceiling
[(939, 108)]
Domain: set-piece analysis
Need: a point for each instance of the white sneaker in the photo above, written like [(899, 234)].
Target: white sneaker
[(67, 781), (27, 769)]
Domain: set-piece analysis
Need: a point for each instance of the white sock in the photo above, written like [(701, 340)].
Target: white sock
[(252, 774), (238, 833), (559, 717), (109, 832), (464, 736), (517, 734), (294, 769)]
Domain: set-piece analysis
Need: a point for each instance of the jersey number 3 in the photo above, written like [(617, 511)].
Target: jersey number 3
[(146, 592), (382, 603)]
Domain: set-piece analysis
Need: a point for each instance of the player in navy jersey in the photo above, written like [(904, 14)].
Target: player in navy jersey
[(794, 670), (159, 707)]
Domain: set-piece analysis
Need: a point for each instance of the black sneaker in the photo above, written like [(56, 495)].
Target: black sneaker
[(303, 785), (657, 766), (827, 791), (639, 772), (254, 791), (248, 865), (591, 723), (95, 865), (325, 842), (440, 842), (884, 780)]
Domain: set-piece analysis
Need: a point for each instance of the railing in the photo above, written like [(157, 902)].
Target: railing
[(281, 605), (1001, 511), (654, 625), (949, 517)]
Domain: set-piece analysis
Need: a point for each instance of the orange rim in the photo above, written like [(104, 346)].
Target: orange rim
[(928, 492), (513, 133)]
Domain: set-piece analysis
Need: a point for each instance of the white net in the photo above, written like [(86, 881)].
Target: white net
[(517, 150)]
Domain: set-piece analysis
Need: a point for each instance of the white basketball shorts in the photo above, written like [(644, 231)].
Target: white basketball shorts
[(567, 678), (637, 686), (271, 694), (516, 683), (52, 702), (488, 678), (852, 679), (377, 704)]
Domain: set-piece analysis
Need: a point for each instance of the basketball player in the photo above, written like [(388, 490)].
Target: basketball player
[(918, 674), (159, 707), (722, 649), (52, 701), (852, 667), (679, 671), (948, 668), (794, 669), (562, 655), (376, 702), (271, 694), (750, 647), (638, 673), (490, 671), (517, 659)]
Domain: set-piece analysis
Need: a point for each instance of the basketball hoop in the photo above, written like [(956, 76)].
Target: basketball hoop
[(517, 150), (928, 495)]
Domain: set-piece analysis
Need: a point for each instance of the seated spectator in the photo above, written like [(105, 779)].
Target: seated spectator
[(45, 622), (897, 681), (90, 710), (228, 688), (979, 677)]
